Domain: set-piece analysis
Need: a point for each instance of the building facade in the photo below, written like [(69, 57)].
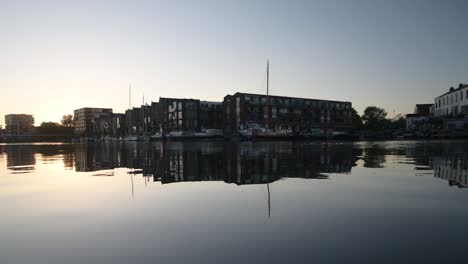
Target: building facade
[(2, 134), (418, 119), (211, 115), (300, 115), (19, 125), (179, 114), (93, 122), (139, 120), (119, 125), (452, 104)]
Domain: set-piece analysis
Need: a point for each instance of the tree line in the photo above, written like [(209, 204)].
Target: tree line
[(375, 119)]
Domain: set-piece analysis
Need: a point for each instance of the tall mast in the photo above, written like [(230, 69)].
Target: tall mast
[(268, 93), (268, 77), (129, 96)]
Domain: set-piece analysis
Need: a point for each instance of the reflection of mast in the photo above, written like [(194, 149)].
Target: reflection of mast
[(133, 189), (268, 182), (269, 203)]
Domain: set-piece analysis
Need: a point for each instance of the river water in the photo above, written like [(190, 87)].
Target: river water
[(221, 202)]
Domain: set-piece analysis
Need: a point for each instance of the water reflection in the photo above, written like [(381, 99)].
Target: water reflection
[(21, 159), (243, 163)]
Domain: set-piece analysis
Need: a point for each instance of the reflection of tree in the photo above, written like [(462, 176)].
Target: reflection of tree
[(68, 160), (357, 154), (374, 156)]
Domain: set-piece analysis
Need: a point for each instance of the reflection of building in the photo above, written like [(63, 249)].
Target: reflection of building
[(90, 122), (19, 125), (298, 114), (454, 170), (245, 163), (97, 157)]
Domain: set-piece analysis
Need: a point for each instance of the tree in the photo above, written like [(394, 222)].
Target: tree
[(398, 122), (356, 120), (67, 121), (375, 118)]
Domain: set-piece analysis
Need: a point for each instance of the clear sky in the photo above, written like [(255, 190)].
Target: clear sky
[(57, 56)]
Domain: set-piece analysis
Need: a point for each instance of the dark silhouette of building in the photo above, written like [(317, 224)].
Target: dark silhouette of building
[(245, 163), (93, 122), (211, 115), (279, 112), (19, 125), (119, 125)]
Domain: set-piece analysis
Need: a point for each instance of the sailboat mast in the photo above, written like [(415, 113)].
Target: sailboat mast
[(268, 77), (268, 93), (129, 96)]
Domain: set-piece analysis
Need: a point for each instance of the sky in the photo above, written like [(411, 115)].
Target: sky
[(58, 56)]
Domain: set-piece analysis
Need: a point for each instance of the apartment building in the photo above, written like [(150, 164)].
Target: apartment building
[(19, 125), (453, 103), (280, 112)]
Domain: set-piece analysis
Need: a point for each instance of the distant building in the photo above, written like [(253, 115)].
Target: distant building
[(422, 113), (453, 103), (19, 125), (119, 125), (138, 120), (2, 133), (176, 114), (423, 109), (279, 112), (211, 115), (93, 122)]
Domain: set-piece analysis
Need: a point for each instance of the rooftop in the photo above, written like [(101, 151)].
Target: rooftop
[(453, 90), (287, 97)]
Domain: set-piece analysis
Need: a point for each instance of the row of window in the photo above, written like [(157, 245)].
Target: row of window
[(451, 98), (286, 101)]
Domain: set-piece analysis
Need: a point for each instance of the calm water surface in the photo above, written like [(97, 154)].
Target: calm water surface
[(217, 202)]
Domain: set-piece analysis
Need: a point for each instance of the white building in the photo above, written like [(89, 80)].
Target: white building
[(453, 103)]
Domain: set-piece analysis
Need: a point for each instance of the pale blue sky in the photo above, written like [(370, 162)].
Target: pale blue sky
[(57, 56)]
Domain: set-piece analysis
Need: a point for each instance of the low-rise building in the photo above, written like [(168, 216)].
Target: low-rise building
[(93, 122), (422, 113), (453, 103), (19, 125), (301, 115)]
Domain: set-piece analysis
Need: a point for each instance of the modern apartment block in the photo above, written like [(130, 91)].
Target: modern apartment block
[(211, 115), (176, 114), (119, 125), (2, 133), (278, 112), (453, 103), (139, 120), (19, 125), (91, 122)]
